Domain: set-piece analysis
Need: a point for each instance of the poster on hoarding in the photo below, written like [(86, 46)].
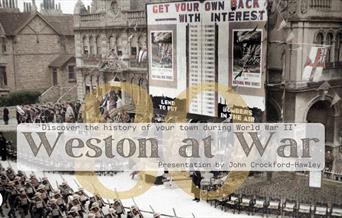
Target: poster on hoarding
[(162, 58), (247, 58), (194, 43)]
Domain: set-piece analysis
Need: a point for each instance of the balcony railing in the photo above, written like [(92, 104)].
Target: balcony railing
[(136, 18), (320, 4), (318, 9), (90, 17)]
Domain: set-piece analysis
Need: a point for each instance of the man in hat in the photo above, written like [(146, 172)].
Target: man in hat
[(38, 206), (29, 189), (73, 213), (46, 183), (12, 198), (59, 201), (75, 202), (53, 209), (34, 181), (95, 208), (23, 203), (134, 213), (44, 195), (118, 208), (65, 190), (83, 196), (196, 185)]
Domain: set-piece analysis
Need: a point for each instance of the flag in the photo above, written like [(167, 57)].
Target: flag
[(20, 110), (314, 64), (290, 37), (282, 25), (336, 99)]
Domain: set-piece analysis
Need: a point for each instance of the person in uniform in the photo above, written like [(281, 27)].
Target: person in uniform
[(196, 185), (23, 203), (118, 208), (38, 206), (53, 209), (12, 199), (134, 213)]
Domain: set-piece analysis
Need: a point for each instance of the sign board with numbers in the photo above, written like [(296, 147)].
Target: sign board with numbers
[(211, 42)]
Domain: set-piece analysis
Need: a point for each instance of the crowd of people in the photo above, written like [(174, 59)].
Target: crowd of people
[(111, 101), (28, 195), (48, 113)]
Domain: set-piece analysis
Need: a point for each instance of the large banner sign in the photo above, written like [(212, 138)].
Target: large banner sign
[(210, 42), (171, 146)]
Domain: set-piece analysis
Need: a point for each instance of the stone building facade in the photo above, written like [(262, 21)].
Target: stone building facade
[(295, 27), (31, 44), (110, 41)]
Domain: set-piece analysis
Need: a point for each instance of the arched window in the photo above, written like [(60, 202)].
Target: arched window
[(3, 45), (329, 42), (98, 45), (91, 45), (319, 39), (141, 87), (132, 89), (338, 47), (142, 41), (122, 44), (134, 46), (85, 45), (112, 42)]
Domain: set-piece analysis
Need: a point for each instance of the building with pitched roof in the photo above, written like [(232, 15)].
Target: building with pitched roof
[(37, 51)]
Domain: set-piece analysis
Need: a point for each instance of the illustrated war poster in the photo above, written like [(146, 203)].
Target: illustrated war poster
[(211, 42), (246, 58), (161, 62)]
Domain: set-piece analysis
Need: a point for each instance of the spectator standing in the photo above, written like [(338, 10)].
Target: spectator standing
[(5, 115), (196, 185), (69, 114), (3, 149)]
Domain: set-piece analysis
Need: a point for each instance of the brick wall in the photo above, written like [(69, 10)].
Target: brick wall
[(34, 48)]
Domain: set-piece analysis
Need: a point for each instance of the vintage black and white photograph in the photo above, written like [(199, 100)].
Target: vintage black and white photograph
[(162, 55), (247, 57)]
